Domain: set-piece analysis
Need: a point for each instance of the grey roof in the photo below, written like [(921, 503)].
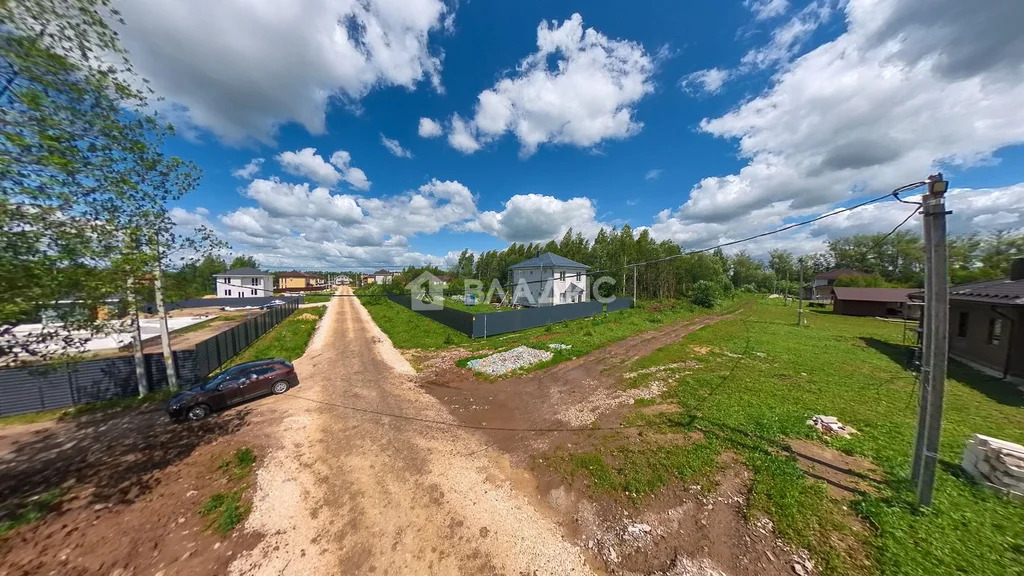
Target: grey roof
[(1003, 291), (873, 294), (244, 272), (549, 260)]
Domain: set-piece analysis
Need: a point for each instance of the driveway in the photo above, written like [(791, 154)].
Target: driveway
[(358, 482)]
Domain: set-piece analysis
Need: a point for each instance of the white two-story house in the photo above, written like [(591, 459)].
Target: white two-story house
[(244, 283), (548, 280)]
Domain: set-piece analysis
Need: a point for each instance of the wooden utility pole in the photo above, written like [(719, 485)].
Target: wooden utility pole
[(936, 340)]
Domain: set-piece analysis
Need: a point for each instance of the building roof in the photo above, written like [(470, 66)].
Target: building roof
[(834, 274), (244, 272), (1003, 291), (383, 272), (873, 294), (549, 260), (296, 274)]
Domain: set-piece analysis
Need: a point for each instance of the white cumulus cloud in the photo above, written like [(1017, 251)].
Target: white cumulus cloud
[(430, 128), (395, 147), (249, 170), (243, 68), (535, 217), (579, 88)]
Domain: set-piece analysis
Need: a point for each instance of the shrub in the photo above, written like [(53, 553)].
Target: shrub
[(705, 294)]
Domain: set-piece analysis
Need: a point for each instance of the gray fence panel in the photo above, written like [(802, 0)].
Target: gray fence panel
[(620, 304), (36, 388), (515, 320)]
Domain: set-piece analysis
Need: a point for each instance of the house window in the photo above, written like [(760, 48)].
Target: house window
[(253, 291), (255, 282), (227, 291), (562, 276), (995, 331), (961, 327), (578, 276)]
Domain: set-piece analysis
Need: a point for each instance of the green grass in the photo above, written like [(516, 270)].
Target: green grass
[(92, 407), (764, 377), (479, 308), (316, 298), (640, 470), (227, 509), (287, 340), (30, 510), (410, 330)]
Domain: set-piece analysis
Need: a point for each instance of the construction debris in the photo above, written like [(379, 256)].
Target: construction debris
[(509, 360), (830, 426), (560, 346), (997, 463)]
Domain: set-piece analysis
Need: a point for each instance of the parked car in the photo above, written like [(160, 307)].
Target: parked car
[(233, 386), (272, 304)]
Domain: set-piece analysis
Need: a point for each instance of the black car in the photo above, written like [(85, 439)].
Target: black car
[(233, 386)]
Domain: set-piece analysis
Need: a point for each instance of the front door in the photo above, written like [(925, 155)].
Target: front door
[(234, 391)]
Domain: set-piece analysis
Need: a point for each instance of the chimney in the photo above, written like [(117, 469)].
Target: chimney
[(1017, 269)]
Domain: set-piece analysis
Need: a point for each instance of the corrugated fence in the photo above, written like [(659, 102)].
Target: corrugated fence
[(492, 324), (217, 350), (36, 388)]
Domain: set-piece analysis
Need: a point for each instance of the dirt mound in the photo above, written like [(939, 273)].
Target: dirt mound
[(307, 316)]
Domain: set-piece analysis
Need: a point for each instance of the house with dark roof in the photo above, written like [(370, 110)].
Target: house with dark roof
[(244, 283), (548, 280), (383, 276), (880, 302), (821, 284), (986, 324)]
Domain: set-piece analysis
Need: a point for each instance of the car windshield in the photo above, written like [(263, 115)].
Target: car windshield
[(217, 381)]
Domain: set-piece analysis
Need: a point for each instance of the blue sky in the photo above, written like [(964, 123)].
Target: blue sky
[(704, 123)]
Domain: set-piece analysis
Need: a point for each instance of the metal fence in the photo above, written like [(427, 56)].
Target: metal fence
[(492, 324), (150, 308), (53, 386), (217, 350)]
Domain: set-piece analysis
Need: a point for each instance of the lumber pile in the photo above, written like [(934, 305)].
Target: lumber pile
[(995, 462)]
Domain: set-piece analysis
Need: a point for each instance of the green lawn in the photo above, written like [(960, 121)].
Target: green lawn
[(287, 340), (316, 298), (479, 308), (410, 330), (760, 377)]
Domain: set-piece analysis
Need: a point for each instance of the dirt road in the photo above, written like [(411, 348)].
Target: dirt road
[(356, 492)]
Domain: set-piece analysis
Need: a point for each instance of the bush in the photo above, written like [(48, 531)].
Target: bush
[(706, 294)]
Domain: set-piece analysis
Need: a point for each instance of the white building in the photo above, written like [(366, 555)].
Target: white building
[(244, 283), (548, 280), (383, 276)]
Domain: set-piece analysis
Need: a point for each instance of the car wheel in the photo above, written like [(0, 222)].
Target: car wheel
[(279, 387), (198, 412)]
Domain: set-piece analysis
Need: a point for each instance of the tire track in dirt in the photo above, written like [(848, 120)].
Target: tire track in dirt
[(355, 493)]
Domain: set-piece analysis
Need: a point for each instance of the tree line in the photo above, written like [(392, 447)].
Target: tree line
[(894, 261)]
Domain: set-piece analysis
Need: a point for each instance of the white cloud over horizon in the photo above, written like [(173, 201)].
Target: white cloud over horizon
[(229, 66), (587, 97)]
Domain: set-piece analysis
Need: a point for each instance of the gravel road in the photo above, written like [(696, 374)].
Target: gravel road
[(355, 492)]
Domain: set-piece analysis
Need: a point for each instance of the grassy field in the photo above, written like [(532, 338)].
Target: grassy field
[(287, 340), (760, 377), (316, 298), (410, 330)]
